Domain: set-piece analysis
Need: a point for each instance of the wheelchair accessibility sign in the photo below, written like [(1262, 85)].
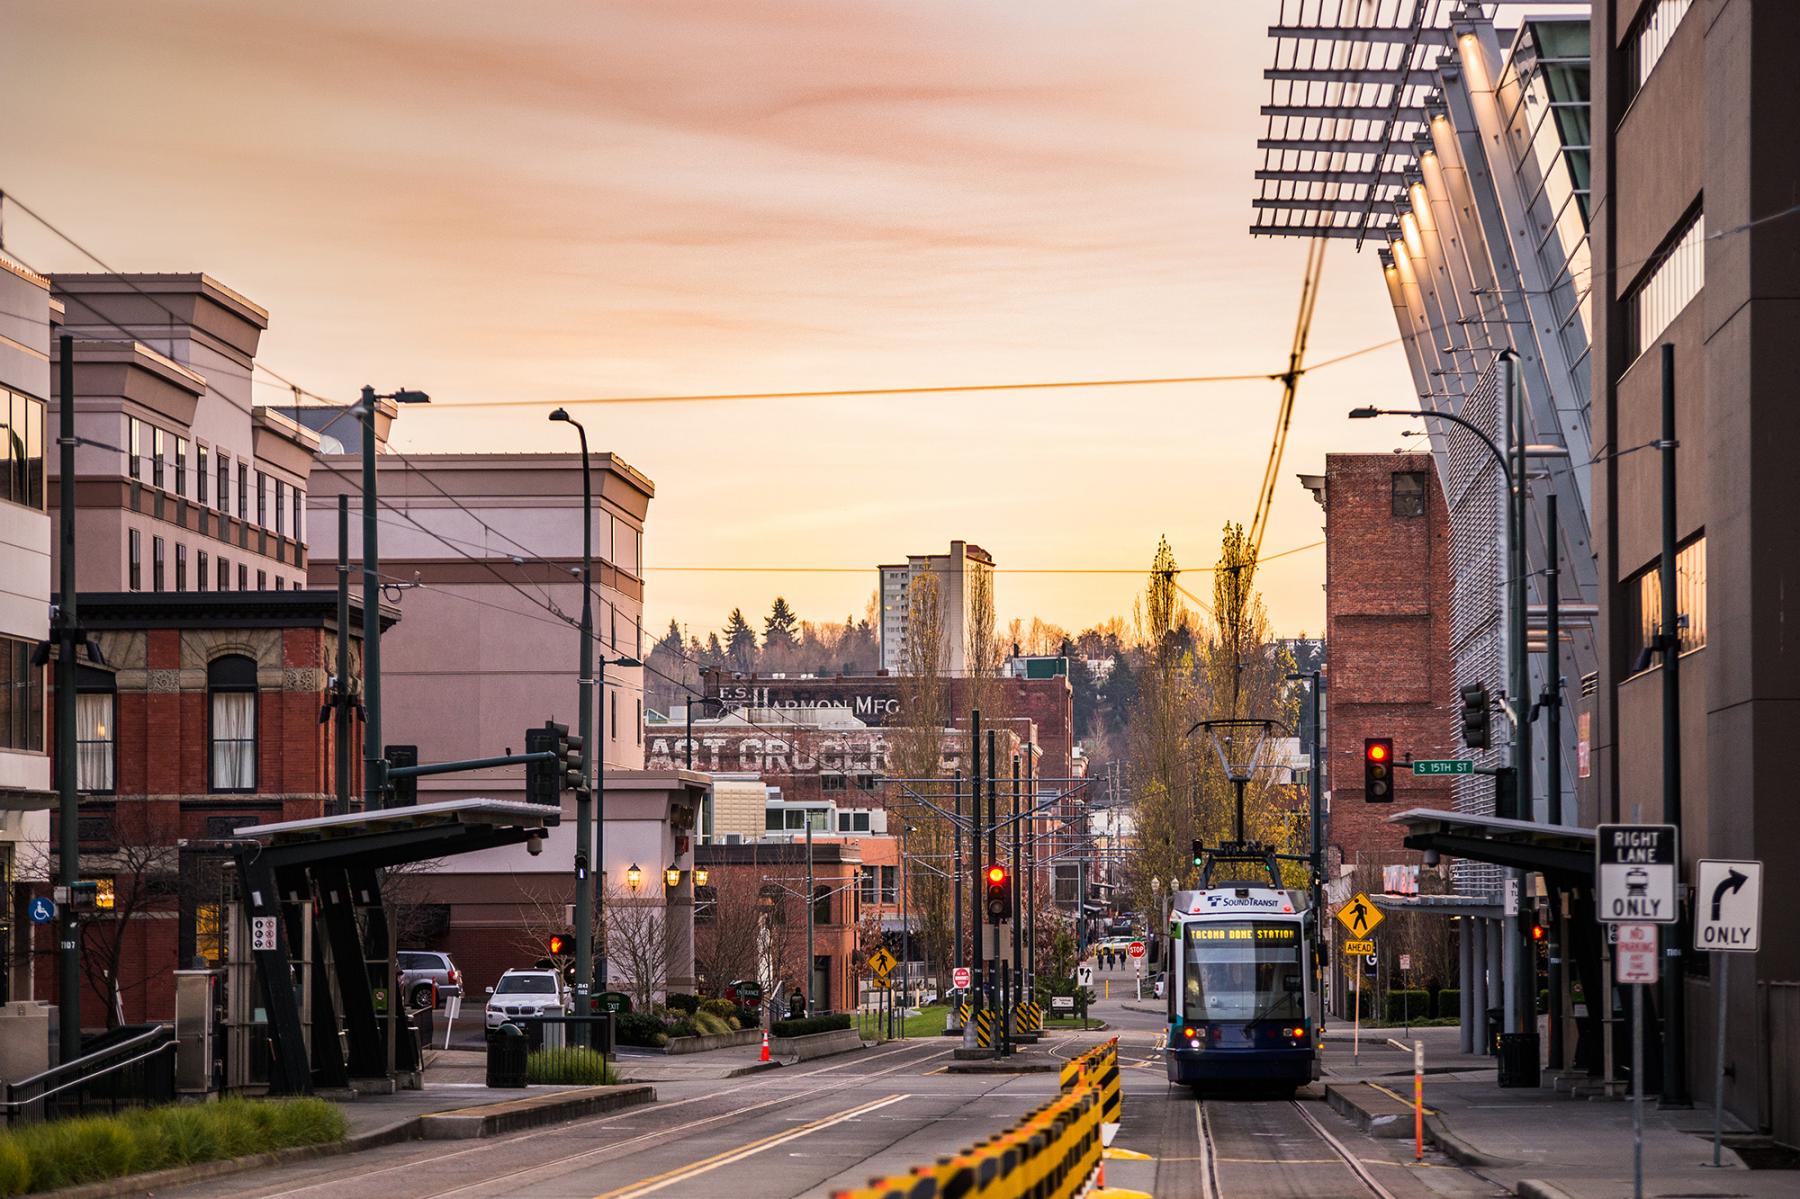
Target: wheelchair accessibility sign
[(41, 910)]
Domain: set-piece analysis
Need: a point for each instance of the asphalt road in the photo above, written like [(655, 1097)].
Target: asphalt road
[(811, 1129)]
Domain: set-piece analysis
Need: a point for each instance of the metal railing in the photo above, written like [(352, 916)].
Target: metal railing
[(127, 1067)]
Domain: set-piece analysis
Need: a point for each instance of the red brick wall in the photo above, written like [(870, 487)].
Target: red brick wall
[(1387, 605)]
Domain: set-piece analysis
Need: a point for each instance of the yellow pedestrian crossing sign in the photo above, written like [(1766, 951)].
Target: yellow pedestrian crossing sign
[(882, 963), (1360, 915)]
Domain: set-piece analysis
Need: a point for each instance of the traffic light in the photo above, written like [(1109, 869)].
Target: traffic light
[(1378, 769), (1506, 792), (574, 762), (999, 894), (560, 944), (544, 780), (1475, 728), (406, 786), (1199, 851)]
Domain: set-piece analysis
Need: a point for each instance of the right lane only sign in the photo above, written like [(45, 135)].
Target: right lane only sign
[(1727, 906), (1638, 868)]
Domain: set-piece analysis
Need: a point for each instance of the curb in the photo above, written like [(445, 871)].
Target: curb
[(1002, 1066), (511, 1115), (1532, 1188), (411, 1129), (1392, 1125)]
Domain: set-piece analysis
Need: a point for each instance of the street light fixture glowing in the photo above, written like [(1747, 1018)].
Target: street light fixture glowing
[(672, 876), (634, 877), (700, 876)]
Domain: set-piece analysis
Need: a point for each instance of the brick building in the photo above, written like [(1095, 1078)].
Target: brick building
[(750, 917), (1387, 623), (201, 715)]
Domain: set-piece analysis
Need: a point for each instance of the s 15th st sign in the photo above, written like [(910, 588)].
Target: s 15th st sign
[(1637, 866)]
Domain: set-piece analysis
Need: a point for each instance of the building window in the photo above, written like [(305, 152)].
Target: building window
[(231, 696), (821, 904), (243, 577), (280, 583), (224, 575), (890, 884), (134, 446), (1642, 601), (94, 737), (1649, 36), (866, 782), (868, 880), (772, 820), (640, 720), (706, 904), (1673, 278), (1409, 493), (243, 507), (181, 466), (201, 478), (853, 822), (135, 569), (21, 696), (201, 581), (280, 508), (615, 719), (831, 782), (299, 510), (22, 456), (262, 500), (180, 567), (157, 449), (209, 932), (224, 496), (262, 580), (157, 550)]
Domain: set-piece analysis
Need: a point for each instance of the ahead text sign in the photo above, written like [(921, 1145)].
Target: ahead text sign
[(1637, 865)]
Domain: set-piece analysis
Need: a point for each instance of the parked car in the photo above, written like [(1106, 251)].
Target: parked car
[(420, 968), (521, 993)]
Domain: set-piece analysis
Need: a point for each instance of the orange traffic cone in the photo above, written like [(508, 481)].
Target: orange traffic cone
[(765, 1052)]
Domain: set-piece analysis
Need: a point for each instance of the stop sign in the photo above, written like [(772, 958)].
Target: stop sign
[(1137, 949), (959, 978)]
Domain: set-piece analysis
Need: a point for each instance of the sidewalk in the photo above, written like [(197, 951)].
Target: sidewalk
[(1539, 1144)]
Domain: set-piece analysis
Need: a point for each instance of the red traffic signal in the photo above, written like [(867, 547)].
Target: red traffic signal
[(996, 875), (559, 945), (1378, 769), (1537, 931), (999, 894)]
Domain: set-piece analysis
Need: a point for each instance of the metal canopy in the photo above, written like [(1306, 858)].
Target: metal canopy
[(1553, 848), (328, 871), (1347, 93)]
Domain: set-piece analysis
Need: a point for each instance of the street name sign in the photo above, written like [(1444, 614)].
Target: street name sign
[(1359, 949), (1637, 865), (1360, 915), (1443, 766), (960, 978), (1728, 906), (1635, 959), (882, 962)]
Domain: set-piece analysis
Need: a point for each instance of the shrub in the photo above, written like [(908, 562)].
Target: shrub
[(680, 1026), (1449, 1002), (639, 1028), (724, 1009), (572, 1065), (88, 1149), (711, 1025), (686, 1004), (810, 1024), (1404, 1005)]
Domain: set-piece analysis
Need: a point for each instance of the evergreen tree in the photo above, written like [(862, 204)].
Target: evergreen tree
[(778, 629), (740, 642), (714, 654)]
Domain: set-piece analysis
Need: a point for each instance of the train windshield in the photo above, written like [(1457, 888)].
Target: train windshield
[(1243, 970)]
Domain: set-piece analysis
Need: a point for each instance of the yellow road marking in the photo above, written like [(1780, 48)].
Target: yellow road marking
[(1399, 1096), (657, 1182)]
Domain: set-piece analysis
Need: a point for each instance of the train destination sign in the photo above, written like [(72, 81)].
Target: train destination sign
[(1637, 865)]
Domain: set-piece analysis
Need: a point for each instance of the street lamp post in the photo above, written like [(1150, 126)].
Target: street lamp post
[(584, 800), (374, 759)]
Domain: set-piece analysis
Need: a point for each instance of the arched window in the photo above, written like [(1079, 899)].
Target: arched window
[(96, 706), (231, 707)]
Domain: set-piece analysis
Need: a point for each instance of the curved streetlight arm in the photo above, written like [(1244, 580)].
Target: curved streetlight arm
[(1505, 469)]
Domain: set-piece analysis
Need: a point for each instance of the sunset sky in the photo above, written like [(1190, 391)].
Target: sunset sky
[(546, 202)]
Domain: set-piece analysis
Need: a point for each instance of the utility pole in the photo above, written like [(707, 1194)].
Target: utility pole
[(977, 976), (812, 1000), (584, 798), (1553, 758), (374, 764), (956, 862), (1519, 1001), (993, 832), (341, 692), (1674, 980), (68, 956), (1031, 869), (1018, 888)]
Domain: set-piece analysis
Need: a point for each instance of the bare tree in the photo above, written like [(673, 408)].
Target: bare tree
[(638, 936), (137, 884), (728, 919)]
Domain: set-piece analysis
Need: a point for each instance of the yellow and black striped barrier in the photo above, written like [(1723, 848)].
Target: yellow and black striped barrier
[(962, 1014), (1053, 1153), (1097, 1068), (1028, 1017), (984, 1028)]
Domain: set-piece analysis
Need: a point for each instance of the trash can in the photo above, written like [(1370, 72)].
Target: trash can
[(1496, 1023), (1519, 1059), (506, 1053)]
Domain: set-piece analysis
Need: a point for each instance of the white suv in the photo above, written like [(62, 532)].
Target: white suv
[(522, 993)]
